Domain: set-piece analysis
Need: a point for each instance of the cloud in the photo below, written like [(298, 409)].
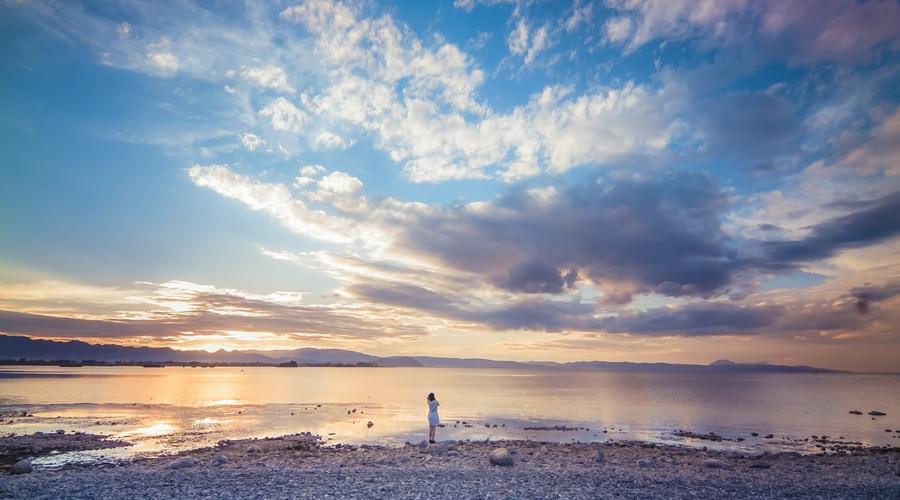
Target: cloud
[(523, 41), (535, 276), (755, 126), (284, 115), (341, 191), (694, 320), (880, 152), (650, 235), (272, 77), (618, 29), (420, 104), (252, 141), (164, 61), (182, 309), (872, 222), (277, 201), (329, 140), (798, 31)]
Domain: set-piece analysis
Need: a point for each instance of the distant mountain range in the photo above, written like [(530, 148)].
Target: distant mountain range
[(24, 349)]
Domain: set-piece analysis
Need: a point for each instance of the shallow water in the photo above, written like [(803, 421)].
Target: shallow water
[(173, 408)]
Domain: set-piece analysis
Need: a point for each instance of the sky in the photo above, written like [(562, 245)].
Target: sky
[(673, 181)]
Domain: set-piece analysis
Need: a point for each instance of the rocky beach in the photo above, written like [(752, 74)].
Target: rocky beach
[(302, 466)]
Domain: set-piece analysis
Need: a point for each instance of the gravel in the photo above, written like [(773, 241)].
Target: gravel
[(300, 467)]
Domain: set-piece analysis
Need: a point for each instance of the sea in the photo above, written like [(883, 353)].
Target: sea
[(169, 409)]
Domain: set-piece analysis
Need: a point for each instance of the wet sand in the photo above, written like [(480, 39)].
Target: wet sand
[(301, 466)]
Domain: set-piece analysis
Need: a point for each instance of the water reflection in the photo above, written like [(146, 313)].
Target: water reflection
[(174, 409), (156, 429)]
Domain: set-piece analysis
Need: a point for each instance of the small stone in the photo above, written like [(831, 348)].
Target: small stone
[(713, 463), (877, 413), (599, 458), (180, 463), (501, 457), (219, 460), (370, 424), (21, 467), (769, 436), (855, 412), (760, 465), (646, 463), (754, 434), (254, 449)]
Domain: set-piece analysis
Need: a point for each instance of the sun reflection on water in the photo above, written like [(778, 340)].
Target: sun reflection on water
[(157, 429), (223, 402)]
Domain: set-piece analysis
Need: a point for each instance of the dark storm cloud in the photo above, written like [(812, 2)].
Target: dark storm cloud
[(404, 295), (694, 320), (535, 314), (535, 276), (876, 293), (877, 221), (756, 127), (659, 235), (866, 295)]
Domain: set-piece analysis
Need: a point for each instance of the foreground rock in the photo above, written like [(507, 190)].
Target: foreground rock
[(21, 467), (301, 467), (501, 457)]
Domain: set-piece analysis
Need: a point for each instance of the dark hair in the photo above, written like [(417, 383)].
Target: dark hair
[(431, 397)]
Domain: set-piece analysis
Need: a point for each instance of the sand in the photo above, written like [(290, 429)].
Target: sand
[(301, 466)]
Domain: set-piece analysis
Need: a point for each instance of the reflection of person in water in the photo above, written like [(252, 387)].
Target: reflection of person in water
[(433, 419)]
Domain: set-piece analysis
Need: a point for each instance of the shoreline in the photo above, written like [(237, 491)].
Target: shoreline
[(302, 466)]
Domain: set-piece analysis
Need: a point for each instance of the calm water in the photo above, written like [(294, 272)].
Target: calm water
[(174, 408)]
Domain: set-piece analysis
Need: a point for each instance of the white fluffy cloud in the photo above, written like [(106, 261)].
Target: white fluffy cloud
[(252, 141), (275, 200), (427, 125), (272, 77), (284, 115)]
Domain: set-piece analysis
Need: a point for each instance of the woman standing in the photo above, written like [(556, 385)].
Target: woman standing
[(433, 419)]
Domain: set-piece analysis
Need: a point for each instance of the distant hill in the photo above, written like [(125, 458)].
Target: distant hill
[(16, 348)]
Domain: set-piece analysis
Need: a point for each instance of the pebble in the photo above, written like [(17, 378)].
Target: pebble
[(304, 468)]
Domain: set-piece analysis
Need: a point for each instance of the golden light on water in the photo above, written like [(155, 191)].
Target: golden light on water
[(161, 428)]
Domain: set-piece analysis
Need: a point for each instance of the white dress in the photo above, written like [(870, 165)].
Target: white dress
[(433, 418)]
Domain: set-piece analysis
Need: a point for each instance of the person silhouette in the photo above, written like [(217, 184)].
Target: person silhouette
[(433, 419)]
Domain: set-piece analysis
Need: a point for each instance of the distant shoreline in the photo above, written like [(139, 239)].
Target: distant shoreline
[(21, 349)]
